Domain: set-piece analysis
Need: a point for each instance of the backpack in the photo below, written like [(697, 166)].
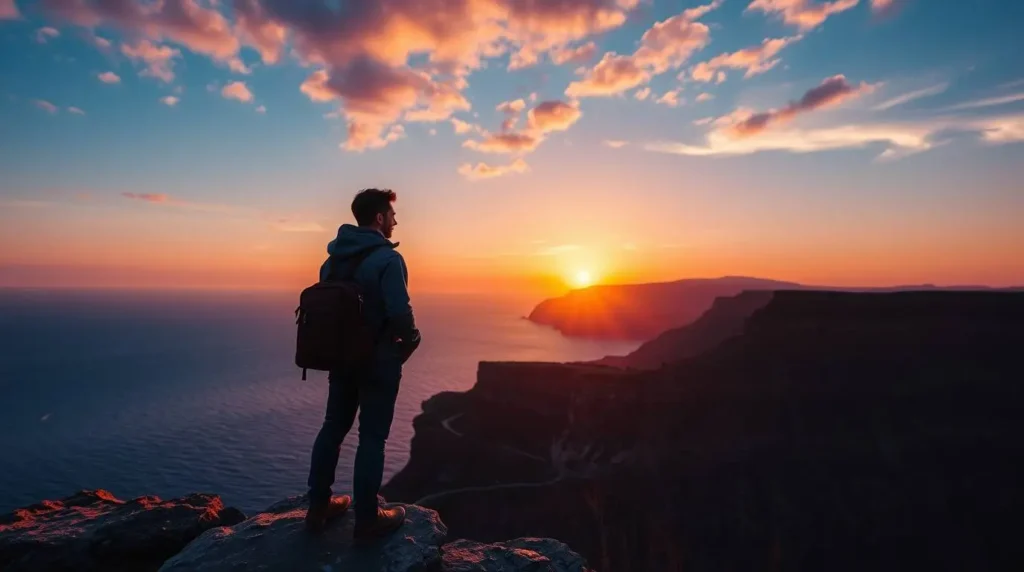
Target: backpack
[(332, 331)]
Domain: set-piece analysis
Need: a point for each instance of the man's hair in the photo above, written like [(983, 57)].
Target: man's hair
[(369, 203)]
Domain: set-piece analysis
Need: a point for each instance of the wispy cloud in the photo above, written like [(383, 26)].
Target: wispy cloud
[(704, 97), (912, 96), (987, 102), (169, 100), (291, 225), (159, 60), (670, 98), (261, 109), (485, 171), (148, 197), (45, 34), (237, 90), (832, 91), (804, 14), (755, 60), (109, 77), (896, 139), (75, 111), (615, 144), (45, 105)]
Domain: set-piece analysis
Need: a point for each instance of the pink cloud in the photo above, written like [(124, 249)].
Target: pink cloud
[(615, 144), (642, 94), (169, 100), (44, 34), (363, 136), (553, 115), (109, 77), (9, 10), (76, 111), (505, 143), (804, 14), (45, 105), (704, 97), (237, 90), (577, 55), (259, 30), (159, 60), (666, 45), (830, 92), (755, 60), (670, 98), (485, 171), (186, 22), (148, 197)]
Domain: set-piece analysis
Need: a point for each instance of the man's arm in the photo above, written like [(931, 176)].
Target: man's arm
[(397, 306)]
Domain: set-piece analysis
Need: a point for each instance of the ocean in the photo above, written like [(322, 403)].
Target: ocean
[(168, 393)]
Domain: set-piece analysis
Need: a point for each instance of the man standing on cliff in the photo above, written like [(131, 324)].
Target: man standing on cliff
[(370, 389)]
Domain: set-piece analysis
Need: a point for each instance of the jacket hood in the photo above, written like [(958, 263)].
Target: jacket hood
[(353, 239)]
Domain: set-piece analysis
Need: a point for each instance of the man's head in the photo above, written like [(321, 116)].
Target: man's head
[(373, 209)]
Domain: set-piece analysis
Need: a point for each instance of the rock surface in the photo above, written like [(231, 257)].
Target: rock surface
[(93, 530), (519, 555), (276, 540)]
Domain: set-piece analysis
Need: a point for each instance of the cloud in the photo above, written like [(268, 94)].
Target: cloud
[(362, 136), (109, 77), (9, 10), (76, 111), (514, 106), (462, 127), (237, 90), (148, 197), (755, 60), (804, 14), (159, 60), (897, 139), (261, 109), (665, 45), (508, 142), (45, 105), (186, 22), (44, 34), (911, 96), (169, 100), (615, 144), (670, 98), (987, 102), (558, 249), (485, 171), (703, 121), (642, 93), (830, 92), (101, 43), (553, 115), (258, 29), (612, 75), (238, 66), (884, 8), (704, 97), (578, 55)]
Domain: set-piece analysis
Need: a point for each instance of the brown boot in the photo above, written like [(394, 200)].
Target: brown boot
[(319, 513), (387, 521)]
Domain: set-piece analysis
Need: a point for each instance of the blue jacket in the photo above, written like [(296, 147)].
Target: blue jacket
[(384, 280)]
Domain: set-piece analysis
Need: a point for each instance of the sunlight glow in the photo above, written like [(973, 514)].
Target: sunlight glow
[(582, 279)]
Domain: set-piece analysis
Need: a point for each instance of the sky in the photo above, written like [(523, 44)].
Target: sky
[(218, 143)]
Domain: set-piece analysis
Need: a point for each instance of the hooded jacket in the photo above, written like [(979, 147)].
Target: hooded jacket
[(384, 280)]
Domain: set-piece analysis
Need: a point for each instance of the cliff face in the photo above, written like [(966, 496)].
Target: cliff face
[(838, 431), (640, 311)]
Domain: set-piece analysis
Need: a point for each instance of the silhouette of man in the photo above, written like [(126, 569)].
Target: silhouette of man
[(371, 388)]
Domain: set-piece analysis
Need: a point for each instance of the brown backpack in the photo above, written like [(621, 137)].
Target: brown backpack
[(332, 331)]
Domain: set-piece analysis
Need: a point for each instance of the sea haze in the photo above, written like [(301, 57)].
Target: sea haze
[(167, 393)]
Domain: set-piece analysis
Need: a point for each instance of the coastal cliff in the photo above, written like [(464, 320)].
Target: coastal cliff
[(838, 431), (93, 530)]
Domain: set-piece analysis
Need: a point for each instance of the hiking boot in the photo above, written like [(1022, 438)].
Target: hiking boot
[(319, 513), (387, 521)]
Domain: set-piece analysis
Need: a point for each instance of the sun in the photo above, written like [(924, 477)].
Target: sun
[(582, 279)]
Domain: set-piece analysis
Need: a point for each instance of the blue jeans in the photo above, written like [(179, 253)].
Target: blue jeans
[(372, 392)]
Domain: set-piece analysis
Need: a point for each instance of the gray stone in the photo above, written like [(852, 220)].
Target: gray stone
[(277, 540), (519, 555)]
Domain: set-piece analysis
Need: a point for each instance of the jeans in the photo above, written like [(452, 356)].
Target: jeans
[(372, 392)]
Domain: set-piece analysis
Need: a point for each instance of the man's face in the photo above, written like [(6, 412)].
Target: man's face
[(388, 222)]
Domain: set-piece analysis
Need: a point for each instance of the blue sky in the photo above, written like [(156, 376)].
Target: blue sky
[(866, 130)]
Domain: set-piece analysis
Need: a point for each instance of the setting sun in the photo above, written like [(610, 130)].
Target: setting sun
[(582, 279)]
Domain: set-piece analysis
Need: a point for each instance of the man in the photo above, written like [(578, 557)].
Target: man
[(371, 388)]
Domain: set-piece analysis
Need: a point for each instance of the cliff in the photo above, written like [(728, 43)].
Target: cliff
[(836, 431), (643, 311), (93, 530), (640, 311)]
